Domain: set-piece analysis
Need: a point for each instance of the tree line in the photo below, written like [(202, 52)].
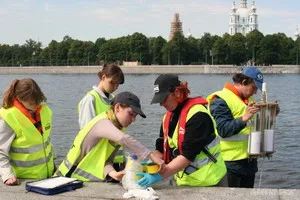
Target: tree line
[(237, 49)]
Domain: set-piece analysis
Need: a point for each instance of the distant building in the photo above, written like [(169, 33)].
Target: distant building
[(297, 34), (189, 34), (176, 26), (243, 20)]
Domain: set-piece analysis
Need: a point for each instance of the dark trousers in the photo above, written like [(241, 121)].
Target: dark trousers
[(241, 173), (240, 181)]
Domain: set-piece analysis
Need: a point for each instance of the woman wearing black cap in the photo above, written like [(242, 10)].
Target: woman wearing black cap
[(187, 142), (94, 148)]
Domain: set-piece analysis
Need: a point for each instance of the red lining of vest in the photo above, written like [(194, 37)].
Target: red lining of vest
[(181, 127)]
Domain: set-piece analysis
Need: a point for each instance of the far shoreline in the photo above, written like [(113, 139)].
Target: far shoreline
[(150, 69)]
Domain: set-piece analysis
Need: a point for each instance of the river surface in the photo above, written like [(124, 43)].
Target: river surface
[(65, 91)]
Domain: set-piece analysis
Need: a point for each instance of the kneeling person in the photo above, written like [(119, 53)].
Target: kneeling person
[(94, 148)]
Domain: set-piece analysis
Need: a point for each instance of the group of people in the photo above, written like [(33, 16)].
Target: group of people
[(202, 142)]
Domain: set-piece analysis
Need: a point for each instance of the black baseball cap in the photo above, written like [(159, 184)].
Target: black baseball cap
[(131, 100), (163, 86)]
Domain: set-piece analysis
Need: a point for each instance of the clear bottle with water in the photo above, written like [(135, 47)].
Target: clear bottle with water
[(133, 166)]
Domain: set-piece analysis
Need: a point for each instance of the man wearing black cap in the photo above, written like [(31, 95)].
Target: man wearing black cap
[(187, 142), (232, 108), (93, 151)]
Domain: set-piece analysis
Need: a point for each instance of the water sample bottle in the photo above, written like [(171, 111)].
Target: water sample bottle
[(132, 167), (264, 97)]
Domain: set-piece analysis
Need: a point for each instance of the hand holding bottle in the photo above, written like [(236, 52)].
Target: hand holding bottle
[(158, 161)]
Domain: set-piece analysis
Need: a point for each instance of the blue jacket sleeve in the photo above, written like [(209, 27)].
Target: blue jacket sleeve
[(227, 125)]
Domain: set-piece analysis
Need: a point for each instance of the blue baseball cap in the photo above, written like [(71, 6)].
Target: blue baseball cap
[(255, 74)]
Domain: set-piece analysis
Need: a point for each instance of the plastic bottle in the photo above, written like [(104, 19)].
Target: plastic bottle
[(264, 97), (132, 166)]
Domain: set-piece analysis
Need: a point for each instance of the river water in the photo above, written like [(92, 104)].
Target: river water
[(65, 91)]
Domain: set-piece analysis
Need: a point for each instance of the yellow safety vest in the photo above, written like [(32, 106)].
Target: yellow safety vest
[(91, 167), (31, 152), (234, 147), (100, 107), (208, 173)]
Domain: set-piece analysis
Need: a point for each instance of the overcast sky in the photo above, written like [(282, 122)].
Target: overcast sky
[(87, 20)]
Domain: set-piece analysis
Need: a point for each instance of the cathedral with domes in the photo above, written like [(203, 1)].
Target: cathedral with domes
[(243, 20)]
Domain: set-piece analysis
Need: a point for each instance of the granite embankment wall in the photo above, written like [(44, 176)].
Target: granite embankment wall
[(150, 69)]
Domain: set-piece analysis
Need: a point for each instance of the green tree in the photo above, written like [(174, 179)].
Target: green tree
[(220, 48), (139, 48), (237, 46), (156, 46), (269, 52), (193, 51)]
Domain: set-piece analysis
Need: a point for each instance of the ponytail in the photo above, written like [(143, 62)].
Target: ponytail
[(9, 94), (183, 92)]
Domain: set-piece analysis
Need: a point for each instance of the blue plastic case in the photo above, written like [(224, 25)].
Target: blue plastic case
[(55, 190)]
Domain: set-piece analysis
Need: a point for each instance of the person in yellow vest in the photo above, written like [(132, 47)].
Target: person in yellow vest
[(187, 141), (99, 99), (232, 108), (25, 128), (95, 146)]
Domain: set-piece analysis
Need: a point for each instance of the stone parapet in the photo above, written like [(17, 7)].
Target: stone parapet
[(151, 69), (163, 190)]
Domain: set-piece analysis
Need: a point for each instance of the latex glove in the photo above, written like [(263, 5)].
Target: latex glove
[(148, 179)]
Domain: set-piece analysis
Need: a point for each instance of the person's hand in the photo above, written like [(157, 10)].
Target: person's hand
[(277, 108), (116, 175), (148, 179), (157, 160), (12, 181), (250, 111)]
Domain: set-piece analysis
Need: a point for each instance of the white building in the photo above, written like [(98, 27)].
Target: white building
[(243, 20), (297, 34)]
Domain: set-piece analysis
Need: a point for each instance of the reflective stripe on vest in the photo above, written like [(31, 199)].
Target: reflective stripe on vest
[(19, 163), (86, 175), (234, 147), (79, 172), (30, 149), (237, 137), (203, 161)]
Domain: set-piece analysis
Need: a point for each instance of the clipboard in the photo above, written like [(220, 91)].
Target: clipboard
[(53, 185)]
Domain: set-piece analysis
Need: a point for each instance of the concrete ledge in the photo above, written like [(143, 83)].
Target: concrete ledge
[(164, 191), (152, 69)]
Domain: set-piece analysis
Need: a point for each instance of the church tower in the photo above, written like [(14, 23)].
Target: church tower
[(243, 20), (233, 25), (253, 23), (176, 26)]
